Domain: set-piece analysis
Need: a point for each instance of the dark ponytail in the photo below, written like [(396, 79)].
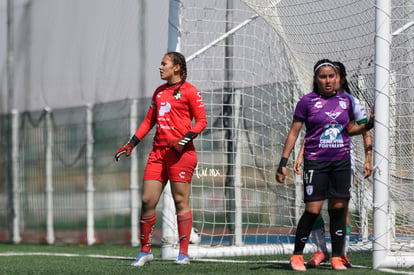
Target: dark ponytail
[(179, 59), (342, 74)]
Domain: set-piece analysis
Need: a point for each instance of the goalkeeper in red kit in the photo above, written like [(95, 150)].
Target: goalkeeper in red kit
[(173, 157)]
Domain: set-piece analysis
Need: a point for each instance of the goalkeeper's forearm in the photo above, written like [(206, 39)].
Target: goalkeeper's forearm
[(179, 144), (187, 138), (134, 141)]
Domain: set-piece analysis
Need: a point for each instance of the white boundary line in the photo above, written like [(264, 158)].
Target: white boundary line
[(11, 254), (388, 270)]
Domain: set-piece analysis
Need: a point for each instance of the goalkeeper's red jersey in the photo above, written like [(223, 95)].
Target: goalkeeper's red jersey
[(173, 114)]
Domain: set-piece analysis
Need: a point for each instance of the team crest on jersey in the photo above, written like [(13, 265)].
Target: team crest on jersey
[(177, 95), (342, 104), (309, 189)]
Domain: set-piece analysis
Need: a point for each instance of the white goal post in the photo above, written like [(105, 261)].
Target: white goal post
[(388, 251), (252, 60)]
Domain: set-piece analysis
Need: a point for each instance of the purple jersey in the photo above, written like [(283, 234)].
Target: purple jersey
[(326, 120)]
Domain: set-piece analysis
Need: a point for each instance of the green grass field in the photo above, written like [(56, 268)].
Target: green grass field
[(111, 259)]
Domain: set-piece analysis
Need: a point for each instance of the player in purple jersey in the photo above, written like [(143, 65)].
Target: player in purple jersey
[(327, 166), (361, 119)]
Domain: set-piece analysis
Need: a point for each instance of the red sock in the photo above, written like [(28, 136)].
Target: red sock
[(146, 227), (185, 223)]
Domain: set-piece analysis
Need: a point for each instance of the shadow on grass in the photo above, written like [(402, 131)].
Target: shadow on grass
[(272, 267)]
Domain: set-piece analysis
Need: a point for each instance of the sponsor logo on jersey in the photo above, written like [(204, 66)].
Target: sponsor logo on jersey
[(318, 105), (201, 103), (165, 108), (332, 131), (200, 100), (333, 114), (331, 136), (182, 175), (165, 127)]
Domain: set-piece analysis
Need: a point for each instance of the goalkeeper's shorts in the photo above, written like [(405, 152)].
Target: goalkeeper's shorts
[(164, 163)]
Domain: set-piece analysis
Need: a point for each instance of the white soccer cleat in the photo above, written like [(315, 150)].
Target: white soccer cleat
[(182, 259), (143, 258)]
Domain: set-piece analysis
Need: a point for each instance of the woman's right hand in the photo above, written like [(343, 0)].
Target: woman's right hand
[(124, 149), (281, 175)]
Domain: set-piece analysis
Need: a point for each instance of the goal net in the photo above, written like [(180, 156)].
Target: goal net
[(252, 61)]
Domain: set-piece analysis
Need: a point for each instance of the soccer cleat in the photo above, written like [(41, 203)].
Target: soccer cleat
[(317, 258), (143, 258), (337, 263), (346, 261), (182, 259), (297, 263)]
